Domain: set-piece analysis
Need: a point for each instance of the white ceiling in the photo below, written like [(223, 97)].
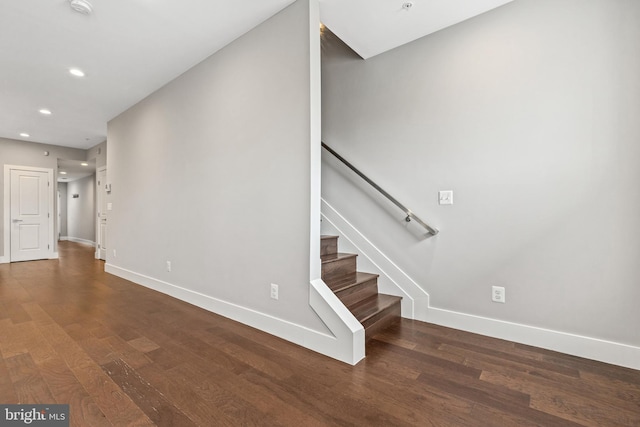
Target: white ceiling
[(371, 27), (130, 48)]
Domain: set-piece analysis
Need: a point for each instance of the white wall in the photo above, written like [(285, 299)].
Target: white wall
[(530, 114), (213, 173), (98, 152), (81, 211)]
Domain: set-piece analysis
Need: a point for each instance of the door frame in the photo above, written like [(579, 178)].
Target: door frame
[(6, 258), (100, 197)]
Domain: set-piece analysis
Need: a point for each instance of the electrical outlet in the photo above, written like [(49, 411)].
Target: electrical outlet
[(169, 266), (274, 291), (498, 294)]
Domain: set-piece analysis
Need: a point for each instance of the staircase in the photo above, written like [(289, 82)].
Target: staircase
[(357, 291)]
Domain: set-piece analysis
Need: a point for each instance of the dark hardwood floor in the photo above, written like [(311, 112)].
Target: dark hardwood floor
[(123, 355)]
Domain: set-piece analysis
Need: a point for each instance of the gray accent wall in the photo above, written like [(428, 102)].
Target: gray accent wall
[(529, 113), (212, 173), (81, 210)]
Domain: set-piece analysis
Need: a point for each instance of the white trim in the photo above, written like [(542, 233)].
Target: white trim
[(7, 215), (314, 340), (4, 260), (7, 209), (54, 255), (421, 309), (350, 344), (79, 240), (99, 193), (315, 140), (576, 345)]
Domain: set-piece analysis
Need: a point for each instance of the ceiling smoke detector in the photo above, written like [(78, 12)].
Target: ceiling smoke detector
[(81, 6), (407, 5)]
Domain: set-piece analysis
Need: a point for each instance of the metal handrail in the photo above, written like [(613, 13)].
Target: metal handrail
[(406, 210)]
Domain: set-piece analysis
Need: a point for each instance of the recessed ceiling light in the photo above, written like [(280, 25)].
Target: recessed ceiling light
[(45, 112), (84, 164), (76, 72), (63, 173), (25, 135)]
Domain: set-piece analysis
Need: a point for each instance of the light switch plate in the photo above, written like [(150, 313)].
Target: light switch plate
[(109, 206), (445, 197)]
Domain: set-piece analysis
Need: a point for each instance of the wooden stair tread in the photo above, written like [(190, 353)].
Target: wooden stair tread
[(336, 257), (349, 280), (367, 308)]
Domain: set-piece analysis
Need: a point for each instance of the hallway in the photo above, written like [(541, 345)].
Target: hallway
[(123, 355)]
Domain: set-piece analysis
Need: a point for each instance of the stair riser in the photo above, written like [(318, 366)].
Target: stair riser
[(358, 293), (328, 246), (381, 320), (335, 269)]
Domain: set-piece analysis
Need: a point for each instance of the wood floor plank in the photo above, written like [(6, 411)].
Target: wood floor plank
[(500, 398), (147, 397), (12, 343), (534, 381), (67, 390), (615, 389), (423, 362), (489, 416), (7, 392), (143, 344), (473, 351), (112, 401), (27, 381), (186, 398)]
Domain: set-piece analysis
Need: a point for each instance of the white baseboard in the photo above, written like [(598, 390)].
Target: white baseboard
[(317, 341), (577, 345), (4, 260), (79, 240)]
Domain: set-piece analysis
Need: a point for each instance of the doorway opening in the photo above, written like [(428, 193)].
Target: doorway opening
[(77, 203)]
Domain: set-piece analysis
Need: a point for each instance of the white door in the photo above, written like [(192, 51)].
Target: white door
[(29, 215), (101, 201)]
